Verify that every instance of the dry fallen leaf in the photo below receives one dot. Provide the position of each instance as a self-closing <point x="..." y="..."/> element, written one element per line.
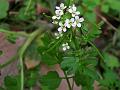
<point x="30" y="64"/>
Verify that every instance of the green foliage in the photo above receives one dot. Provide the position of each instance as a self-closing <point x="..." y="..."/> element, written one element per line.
<point x="2" y="88"/>
<point x="12" y="83"/>
<point x="84" y="80"/>
<point x="33" y="48"/>
<point x="51" y="80"/>
<point x="70" y="64"/>
<point x="27" y="11"/>
<point x="111" y="61"/>
<point x="110" y="4"/>
<point x="4" y="6"/>
<point x="49" y="59"/>
<point x="32" y="76"/>
<point x="1" y="52"/>
<point x="110" y="80"/>
<point x="105" y="8"/>
<point x="11" y="38"/>
<point x="83" y="61"/>
<point x="52" y="4"/>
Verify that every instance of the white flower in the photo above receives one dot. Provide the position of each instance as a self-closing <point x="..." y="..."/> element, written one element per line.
<point x="65" y="46"/>
<point x="69" y="23"/>
<point x="78" y="21"/>
<point x="55" y="22"/>
<point x="62" y="7"/>
<point x="58" y="35"/>
<point x="72" y="10"/>
<point x="59" y="12"/>
<point x="62" y="27"/>
<point x="56" y="17"/>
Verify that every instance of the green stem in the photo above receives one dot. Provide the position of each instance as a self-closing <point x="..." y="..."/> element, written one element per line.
<point x="51" y="48"/>
<point x="75" y="40"/>
<point x="31" y="88"/>
<point x="67" y="79"/>
<point x="73" y="84"/>
<point x="28" y="6"/>
<point x="15" y="33"/>
<point x="102" y="61"/>
<point x="96" y="50"/>
<point x="22" y="51"/>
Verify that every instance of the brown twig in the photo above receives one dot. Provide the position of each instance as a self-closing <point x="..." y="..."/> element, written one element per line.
<point x="105" y="20"/>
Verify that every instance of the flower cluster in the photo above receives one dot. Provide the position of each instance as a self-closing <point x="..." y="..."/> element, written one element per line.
<point x="65" y="23"/>
<point x="58" y="35"/>
<point x="65" y="46"/>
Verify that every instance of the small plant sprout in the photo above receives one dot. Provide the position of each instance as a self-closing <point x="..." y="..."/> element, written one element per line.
<point x="65" y="46"/>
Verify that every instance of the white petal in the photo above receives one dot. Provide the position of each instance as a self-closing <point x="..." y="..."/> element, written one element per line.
<point x="61" y="13"/>
<point x="60" y="29"/>
<point x="67" y="21"/>
<point x="57" y="37"/>
<point x="76" y="17"/>
<point x="69" y="6"/>
<point x="74" y="8"/>
<point x="56" y="34"/>
<point x="81" y="19"/>
<point x="60" y="24"/>
<point x="68" y="47"/>
<point x="68" y="25"/>
<point x="64" y="29"/>
<point x="55" y="22"/>
<point x="58" y="17"/>
<point x="70" y="10"/>
<point x="57" y="7"/>
<point x="79" y="24"/>
<point x="57" y="12"/>
<point x="54" y="17"/>
<point x="64" y="49"/>
<point x="66" y="44"/>
<point x="63" y="45"/>
<point x="77" y="13"/>
<point x="73" y="14"/>
<point x="72" y="19"/>
<point x="74" y="24"/>
<point x="65" y="7"/>
<point x="62" y="5"/>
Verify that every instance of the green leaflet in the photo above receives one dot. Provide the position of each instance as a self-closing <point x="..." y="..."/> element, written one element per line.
<point x="51" y="80"/>
<point x="111" y="61"/>
<point x="4" y="6"/>
<point x="12" y="82"/>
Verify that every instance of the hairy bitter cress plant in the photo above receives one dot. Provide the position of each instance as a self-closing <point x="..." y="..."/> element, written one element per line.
<point x="70" y="46"/>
